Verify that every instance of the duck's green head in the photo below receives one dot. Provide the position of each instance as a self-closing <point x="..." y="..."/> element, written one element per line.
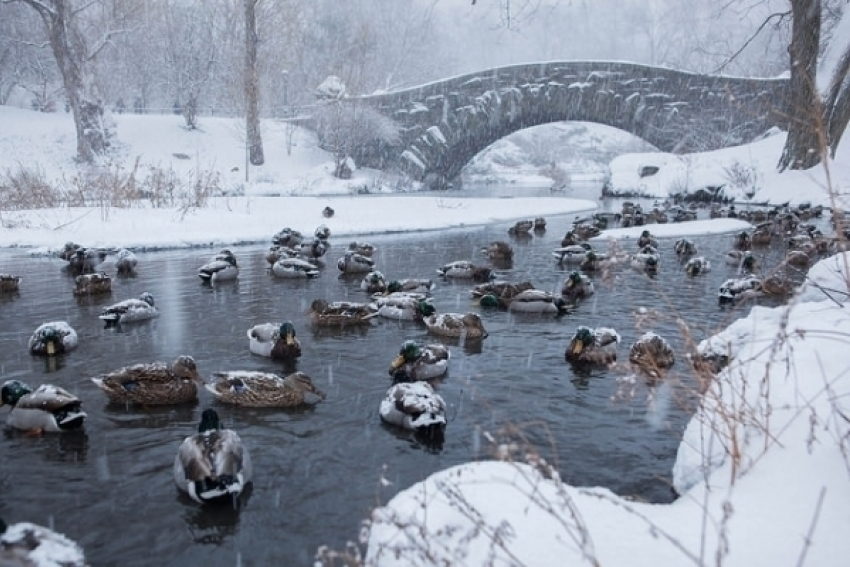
<point x="425" y="308"/>
<point x="147" y="297"/>
<point x="582" y="339"/>
<point x="651" y="262"/>
<point x="394" y="286"/>
<point x="375" y="277"/>
<point x="287" y="332"/>
<point x="409" y="351"/>
<point x="12" y="391"/>
<point x="573" y="279"/>
<point x="749" y="262"/>
<point x="488" y="300"/>
<point x="590" y="256"/>
<point x="209" y="421"/>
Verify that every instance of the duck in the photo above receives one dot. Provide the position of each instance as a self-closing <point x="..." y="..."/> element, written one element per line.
<point x="287" y="237"/>
<point x="25" y="544"/>
<point x="577" y="286"/>
<point x="374" y="282"/>
<point x="411" y="285"/>
<point x="646" y="239"/>
<point x="85" y="260"/>
<point x="652" y="353"/>
<point x="592" y="346"/>
<point x="256" y="389"/>
<point x="646" y="260"/>
<point x="537" y="301"/>
<point x="570" y="239"/>
<point x="572" y="253"/>
<point x="777" y="284"/>
<point x="743" y="241"/>
<point x="521" y="227"/>
<point x="539" y="224"/>
<point x="498" y="250"/>
<point x="362" y="248"/>
<point x="463" y="269"/>
<point x="213" y="464"/>
<point x="743" y="259"/>
<point x="697" y="265"/>
<point x="456" y="325"/>
<point x="275" y="341"/>
<point x="153" y="384"/>
<point x="125" y="262"/>
<point x="586" y="231"/>
<point x="9" y="283"/>
<point x="48" y="408"/>
<point x="294" y="268"/>
<point x="92" y="284"/>
<point x="327" y="212"/>
<point x="417" y="407"/>
<point x="798" y="258"/>
<point x="502" y="291"/>
<point x="685" y="248"/>
<point x="738" y="289"/>
<point x="130" y="310"/>
<point x="421" y="362"/>
<point x="762" y="236"/>
<point x="593" y="261"/>
<point x="221" y="268"/>
<point x="404" y="306"/>
<point x="55" y="337"/>
<point x="354" y="263"/>
<point x="323" y="233"/>
<point x="340" y="313"/>
<point x="313" y="250"/>
<point x="275" y="253"/>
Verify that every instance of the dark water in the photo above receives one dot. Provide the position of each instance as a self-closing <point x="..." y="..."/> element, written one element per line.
<point x="318" y="472"/>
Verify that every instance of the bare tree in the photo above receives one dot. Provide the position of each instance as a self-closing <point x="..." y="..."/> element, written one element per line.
<point x="74" y="58"/>
<point x="252" y="104"/>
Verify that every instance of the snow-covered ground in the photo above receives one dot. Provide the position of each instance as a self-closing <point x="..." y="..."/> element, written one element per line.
<point x="763" y="467"/>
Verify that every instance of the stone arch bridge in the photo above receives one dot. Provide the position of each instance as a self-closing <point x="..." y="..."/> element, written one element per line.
<point x="444" y="124"/>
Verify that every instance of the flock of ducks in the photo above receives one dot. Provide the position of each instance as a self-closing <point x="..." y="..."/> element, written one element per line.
<point x="213" y="464"/>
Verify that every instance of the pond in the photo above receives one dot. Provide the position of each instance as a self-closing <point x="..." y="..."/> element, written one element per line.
<point x="319" y="472"/>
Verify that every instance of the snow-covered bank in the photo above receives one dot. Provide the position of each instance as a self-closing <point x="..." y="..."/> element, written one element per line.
<point x="762" y="468"/>
<point x="242" y="220"/>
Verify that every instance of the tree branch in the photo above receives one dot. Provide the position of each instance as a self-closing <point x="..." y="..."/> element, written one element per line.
<point x="778" y="15"/>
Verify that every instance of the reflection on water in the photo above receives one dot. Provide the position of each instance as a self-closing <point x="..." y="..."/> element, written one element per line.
<point x="318" y="471"/>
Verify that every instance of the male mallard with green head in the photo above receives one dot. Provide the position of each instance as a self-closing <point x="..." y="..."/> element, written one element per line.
<point x="421" y="362"/>
<point x="212" y="465"/>
<point x="48" y="408"/>
<point x="154" y="384"/>
<point x="56" y="337"/>
<point x="276" y="341"/>
<point x="593" y="346"/>
<point x="404" y="306"/>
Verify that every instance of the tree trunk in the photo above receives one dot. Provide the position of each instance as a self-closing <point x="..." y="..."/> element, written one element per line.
<point x="837" y="107"/>
<point x="252" y="105"/>
<point x="72" y="58"/>
<point x="806" y="139"/>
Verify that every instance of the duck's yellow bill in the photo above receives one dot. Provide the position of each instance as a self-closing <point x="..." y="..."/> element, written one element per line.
<point x="290" y="340"/>
<point x="578" y="347"/>
<point x="51" y="348"/>
<point x="397" y="361"/>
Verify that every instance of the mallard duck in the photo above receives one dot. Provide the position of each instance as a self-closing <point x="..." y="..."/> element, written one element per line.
<point x="586" y="231"/>
<point x="56" y="337"/>
<point x="498" y="250"/>
<point x="415" y="406"/>
<point x="463" y="269"/>
<point x="287" y="237"/>
<point x="323" y="233"/>
<point x="275" y="341"/>
<point x="130" y="310"/>
<point x="570" y="239"/>
<point x="572" y="254"/>
<point x="646" y="260"/>
<point x="256" y="389"/>
<point x="502" y="290"/>
<point x="69" y="250"/>
<point x="221" y="268"/>
<point x="9" y="283"/>
<point x="577" y="286"/>
<point x="762" y="236"/>
<point x="652" y="353"/>
<point x="47" y="409"/>
<point x="125" y="262"/>
<point x="646" y="239"/>
<point x="592" y="346"/>
<point x="30" y="545"/>
<point x="294" y="268"/>
<point x="327" y="212"/>
<point x="213" y="464"/>
<point x="362" y="248"/>
<point x="798" y="258"/>
<point x="85" y="260"/>
<point x="743" y="240"/>
<point x="154" y="384"/>
<point x="777" y="284"/>
<point x="374" y="282"/>
<point x="411" y="285"/>
<point x="340" y="313"/>
<point x="737" y="289"/>
<point x="456" y="325"/>
<point x="743" y="259"/>
<point x="521" y="227"/>
<point x="354" y="263"/>
<point x="404" y="306"/>
<point x="92" y="284"/>
<point x="593" y="261"/>
<point x="685" y="248"/>
<point x="536" y="301"/>
<point x="697" y="265"/>
<point x="539" y="224"/>
<point x="313" y="250"/>
<point x="275" y="253"/>
<point x="421" y="362"/>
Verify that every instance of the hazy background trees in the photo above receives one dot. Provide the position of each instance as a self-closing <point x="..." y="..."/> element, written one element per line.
<point x="189" y="56"/>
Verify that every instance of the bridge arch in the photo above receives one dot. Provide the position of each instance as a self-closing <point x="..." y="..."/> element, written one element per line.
<point x="444" y="124"/>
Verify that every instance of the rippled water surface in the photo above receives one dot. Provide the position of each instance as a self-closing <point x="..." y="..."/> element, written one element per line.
<point x="319" y="472"/>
